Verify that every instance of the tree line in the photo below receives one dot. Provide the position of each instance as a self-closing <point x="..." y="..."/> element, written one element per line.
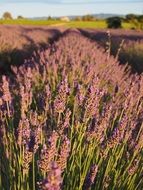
<point x="112" y="22"/>
<point x="135" y="20"/>
<point x="8" y="15"/>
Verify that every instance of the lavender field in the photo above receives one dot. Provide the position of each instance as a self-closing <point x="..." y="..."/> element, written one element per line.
<point x="71" y="111"/>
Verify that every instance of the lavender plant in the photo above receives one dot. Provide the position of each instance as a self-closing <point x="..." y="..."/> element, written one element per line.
<point x="72" y="119"/>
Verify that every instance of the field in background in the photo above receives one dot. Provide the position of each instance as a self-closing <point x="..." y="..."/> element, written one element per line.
<point x="125" y="45"/>
<point x="30" y="22"/>
<point x="18" y="42"/>
<point x="100" y="24"/>
<point x="86" y="24"/>
<point x="93" y="24"/>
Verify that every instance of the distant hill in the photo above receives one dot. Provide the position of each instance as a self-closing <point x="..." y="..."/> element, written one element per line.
<point x="38" y="18"/>
<point x="99" y="16"/>
<point x="104" y="16"/>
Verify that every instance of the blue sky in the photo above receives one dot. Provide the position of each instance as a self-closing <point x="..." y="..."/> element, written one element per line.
<point x="31" y="8"/>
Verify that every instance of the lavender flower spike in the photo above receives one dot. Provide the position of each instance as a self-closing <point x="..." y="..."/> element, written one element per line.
<point x="54" y="180"/>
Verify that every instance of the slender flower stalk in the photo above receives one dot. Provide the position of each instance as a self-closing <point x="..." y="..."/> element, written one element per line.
<point x="64" y="154"/>
<point x="89" y="181"/>
<point x="48" y="153"/>
<point x="53" y="180"/>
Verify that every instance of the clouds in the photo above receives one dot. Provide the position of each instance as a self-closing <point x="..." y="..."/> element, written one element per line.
<point x="31" y="1"/>
<point x="35" y="8"/>
<point x="71" y="1"/>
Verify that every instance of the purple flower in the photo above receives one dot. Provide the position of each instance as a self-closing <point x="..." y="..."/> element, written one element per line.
<point x="60" y="100"/>
<point x="90" y="178"/>
<point x="64" y="153"/>
<point x="48" y="153"/>
<point x="23" y="132"/>
<point x="54" y="179"/>
<point x="6" y="91"/>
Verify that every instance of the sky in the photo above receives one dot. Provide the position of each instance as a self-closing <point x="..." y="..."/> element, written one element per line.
<point x="38" y="8"/>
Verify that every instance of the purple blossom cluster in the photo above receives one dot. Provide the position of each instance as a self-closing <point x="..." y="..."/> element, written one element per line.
<point x="71" y="119"/>
<point x="53" y="180"/>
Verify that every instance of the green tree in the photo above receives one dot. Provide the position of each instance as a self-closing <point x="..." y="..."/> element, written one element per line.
<point x="7" y="15"/>
<point x="77" y="18"/>
<point x="138" y="23"/>
<point x="88" y="18"/>
<point x="130" y="17"/>
<point x="114" y="22"/>
<point x="20" y="17"/>
<point x="49" y="18"/>
<point x="135" y="20"/>
<point x="140" y="18"/>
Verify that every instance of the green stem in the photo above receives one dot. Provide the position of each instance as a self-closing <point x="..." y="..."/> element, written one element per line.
<point x="7" y="105"/>
<point x="33" y="170"/>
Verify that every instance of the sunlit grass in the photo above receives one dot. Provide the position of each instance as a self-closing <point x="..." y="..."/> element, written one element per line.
<point x="30" y="22"/>
<point x="87" y="24"/>
<point x="127" y="25"/>
<point x="101" y="24"/>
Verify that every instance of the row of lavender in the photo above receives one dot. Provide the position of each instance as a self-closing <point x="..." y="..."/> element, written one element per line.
<point x="18" y="43"/>
<point x="71" y="119"/>
<point x="126" y="45"/>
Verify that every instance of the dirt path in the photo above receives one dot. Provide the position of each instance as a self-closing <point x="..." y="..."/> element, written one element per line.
<point x="58" y="24"/>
